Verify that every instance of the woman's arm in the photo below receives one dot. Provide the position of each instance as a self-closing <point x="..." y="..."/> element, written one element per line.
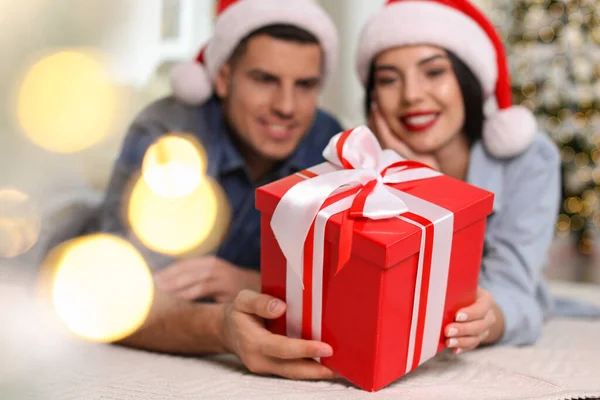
<point x="518" y="242"/>
<point x="510" y="301"/>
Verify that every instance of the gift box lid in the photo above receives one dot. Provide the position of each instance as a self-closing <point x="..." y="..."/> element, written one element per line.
<point x="390" y="241"/>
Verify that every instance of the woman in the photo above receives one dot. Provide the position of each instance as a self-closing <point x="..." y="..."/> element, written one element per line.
<point x="430" y="68"/>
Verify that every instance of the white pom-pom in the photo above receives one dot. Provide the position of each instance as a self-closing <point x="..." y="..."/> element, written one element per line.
<point x="508" y="132"/>
<point x="190" y="83"/>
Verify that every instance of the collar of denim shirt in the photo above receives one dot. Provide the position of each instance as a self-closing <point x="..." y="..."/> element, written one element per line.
<point x="227" y="158"/>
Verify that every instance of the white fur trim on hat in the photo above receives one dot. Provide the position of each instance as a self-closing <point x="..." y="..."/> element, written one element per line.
<point x="424" y="22"/>
<point x="246" y="16"/>
<point x="190" y="83"/>
<point x="508" y="132"/>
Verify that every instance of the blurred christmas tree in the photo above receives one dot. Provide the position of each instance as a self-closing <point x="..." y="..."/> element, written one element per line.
<point x="554" y="52"/>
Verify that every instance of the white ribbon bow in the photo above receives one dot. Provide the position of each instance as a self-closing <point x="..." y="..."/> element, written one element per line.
<point x="297" y="209"/>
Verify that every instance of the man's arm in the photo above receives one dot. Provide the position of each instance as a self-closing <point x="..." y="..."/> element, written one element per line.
<point x="206" y="277"/>
<point x="177" y="326"/>
<point x="128" y="163"/>
<point x="112" y="214"/>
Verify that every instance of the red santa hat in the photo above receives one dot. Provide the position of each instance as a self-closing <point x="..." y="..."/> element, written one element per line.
<point x="457" y="26"/>
<point x="192" y="82"/>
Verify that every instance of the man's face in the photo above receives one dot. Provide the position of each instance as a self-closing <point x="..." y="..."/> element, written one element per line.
<point x="270" y="95"/>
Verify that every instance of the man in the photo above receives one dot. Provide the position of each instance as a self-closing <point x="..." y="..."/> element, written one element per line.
<point x="266" y="64"/>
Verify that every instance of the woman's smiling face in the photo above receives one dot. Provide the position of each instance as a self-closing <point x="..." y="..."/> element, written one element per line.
<point x="419" y="96"/>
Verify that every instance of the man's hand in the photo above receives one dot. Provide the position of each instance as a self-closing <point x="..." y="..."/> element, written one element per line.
<point x="204" y="277"/>
<point x="389" y="140"/>
<point x="263" y="352"/>
<point x="479" y="323"/>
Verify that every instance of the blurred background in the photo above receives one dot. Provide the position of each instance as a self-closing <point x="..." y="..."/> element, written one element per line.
<point x="76" y="72"/>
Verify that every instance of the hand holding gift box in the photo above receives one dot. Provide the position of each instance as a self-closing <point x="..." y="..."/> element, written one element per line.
<point x="373" y="255"/>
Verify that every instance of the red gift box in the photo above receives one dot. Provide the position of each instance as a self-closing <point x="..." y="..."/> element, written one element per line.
<point x="408" y="263"/>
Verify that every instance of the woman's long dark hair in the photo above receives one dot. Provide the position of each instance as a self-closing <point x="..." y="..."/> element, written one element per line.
<point x="471" y="92"/>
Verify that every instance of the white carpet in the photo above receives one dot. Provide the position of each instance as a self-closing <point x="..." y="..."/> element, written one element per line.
<point x="37" y="363"/>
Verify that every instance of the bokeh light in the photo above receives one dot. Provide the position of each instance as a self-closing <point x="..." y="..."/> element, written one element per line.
<point x="529" y="89"/>
<point x="573" y="204"/>
<point x="577" y="223"/>
<point x="584" y="174"/>
<point x="547" y="34"/>
<point x="582" y="160"/>
<point x="568" y="154"/>
<point x="66" y="102"/>
<point x="596" y="175"/>
<point x="174" y="165"/>
<point x="566" y="136"/>
<point x="587" y="242"/>
<point x="177" y="225"/>
<point x="20" y="223"/>
<point x="563" y="221"/>
<point x="553" y="124"/>
<point x="101" y="287"/>
<point x="556" y="10"/>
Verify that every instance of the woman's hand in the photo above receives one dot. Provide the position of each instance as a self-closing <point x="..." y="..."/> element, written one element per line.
<point x="479" y="323"/>
<point x="388" y="140"/>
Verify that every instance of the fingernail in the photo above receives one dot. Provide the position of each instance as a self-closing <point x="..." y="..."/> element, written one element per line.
<point x="452" y="342"/>
<point x="461" y="317"/>
<point x="324" y="352"/>
<point x="452" y="332"/>
<point x="458" y="351"/>
<point x="275" y="306"/>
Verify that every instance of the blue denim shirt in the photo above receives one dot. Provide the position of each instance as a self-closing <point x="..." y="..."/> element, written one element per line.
<point x="519" y="232"/>
<point x="241" y="245"/>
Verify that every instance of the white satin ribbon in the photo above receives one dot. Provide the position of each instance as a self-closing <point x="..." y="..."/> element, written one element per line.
<point x="297" y="209"/>
<point x="301" y="206"/>
<point x="443" y="233"/>
<point x="443" y="221"/>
